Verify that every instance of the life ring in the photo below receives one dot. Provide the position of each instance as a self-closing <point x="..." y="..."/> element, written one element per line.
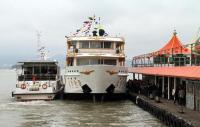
<point x="23" y="86"/>
<point x="44" y="86"/>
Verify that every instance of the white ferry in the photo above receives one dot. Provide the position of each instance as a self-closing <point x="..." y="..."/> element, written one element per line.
<point x="37" y="80"/>
<point x="95" y="63"/>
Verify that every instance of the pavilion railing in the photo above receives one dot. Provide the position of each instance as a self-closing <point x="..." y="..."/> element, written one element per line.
<point x="186" y="55"/>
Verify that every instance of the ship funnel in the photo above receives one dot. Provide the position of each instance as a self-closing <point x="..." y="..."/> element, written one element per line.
<point x="94" y="33"/>
<point x="101" y="32"/>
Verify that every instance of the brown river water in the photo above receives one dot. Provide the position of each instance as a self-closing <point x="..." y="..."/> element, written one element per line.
<point x="64" y="113"/>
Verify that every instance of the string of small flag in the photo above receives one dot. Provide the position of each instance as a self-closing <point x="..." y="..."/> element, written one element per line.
<point x="87" y="26"/>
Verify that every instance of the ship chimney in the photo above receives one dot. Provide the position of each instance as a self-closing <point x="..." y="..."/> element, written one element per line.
<point x="101" y="32"/>
<point x="94" y="33"/>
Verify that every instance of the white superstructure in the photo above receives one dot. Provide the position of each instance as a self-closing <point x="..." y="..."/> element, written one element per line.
<point x="37" y="80"/>
<point x="95" y="64"/>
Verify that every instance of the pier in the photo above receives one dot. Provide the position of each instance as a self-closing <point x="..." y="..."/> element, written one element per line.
<point x="166" y="111"/>
<point x="166" y="83"/>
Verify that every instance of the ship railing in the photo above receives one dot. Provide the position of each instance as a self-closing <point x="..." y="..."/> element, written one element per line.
<point x="37" y="77"/>
<point x="112" y="51"/>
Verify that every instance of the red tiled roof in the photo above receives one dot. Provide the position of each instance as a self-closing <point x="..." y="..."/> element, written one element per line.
<point x="190" y="72"/>
<point x="174" y="44"/>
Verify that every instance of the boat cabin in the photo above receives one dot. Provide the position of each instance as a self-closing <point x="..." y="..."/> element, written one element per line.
<point x="37" y="70"/>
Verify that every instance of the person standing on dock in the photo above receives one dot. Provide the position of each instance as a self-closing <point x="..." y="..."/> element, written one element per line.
<point x="176" y="96"/>
<point x="181" y="94"/>
<point x="173" y="94"/>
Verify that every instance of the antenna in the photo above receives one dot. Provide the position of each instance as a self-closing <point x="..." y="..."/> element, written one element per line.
<point x="41" y="50"/>
<point x="99" y="20"/>
<point x="38" y="39"/>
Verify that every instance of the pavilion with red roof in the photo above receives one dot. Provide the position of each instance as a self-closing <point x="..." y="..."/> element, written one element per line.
<point x="174" y="46"/>
<point x="172" y="74"/>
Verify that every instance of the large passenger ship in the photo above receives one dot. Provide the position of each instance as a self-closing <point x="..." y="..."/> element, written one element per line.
<point x="95" y="63"/>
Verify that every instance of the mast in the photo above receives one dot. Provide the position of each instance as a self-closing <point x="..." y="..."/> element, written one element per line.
<point x="41" y="50"/>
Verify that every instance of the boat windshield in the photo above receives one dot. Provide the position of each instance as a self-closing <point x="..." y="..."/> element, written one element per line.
<point x="38" y="72"/>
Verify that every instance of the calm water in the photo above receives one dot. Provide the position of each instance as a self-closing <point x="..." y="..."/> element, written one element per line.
<point x="67" y="113"/>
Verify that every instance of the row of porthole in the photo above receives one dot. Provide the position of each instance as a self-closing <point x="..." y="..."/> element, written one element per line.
<point x="122" y="71"/>
<point x="71" y="78"/>
<point x="73" y="71"/>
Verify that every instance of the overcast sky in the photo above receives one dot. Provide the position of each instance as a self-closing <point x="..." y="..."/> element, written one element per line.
<point x="146" y="25"/>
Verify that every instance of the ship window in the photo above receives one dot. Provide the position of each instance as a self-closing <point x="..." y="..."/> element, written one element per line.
<point x="109" y="62"/>
<point x="94" y="61"/>
<point x="28" y="70"/>
<point x="52" y="70"/>
<point x="36" y="70"/>
<point x="83" y="62"/>
<point x="95" y="44"/>
<point x="84" y="44"/>
<point x="107" y="44"/>
<point x="74" y="44"/>
<point x="44" y="70"/>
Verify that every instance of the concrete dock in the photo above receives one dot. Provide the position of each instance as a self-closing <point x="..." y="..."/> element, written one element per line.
<point x="168" y="112"/>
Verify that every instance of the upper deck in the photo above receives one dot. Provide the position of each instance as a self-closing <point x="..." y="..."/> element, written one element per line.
<point x="95" y="38"/>
<point x="95" y="46"/>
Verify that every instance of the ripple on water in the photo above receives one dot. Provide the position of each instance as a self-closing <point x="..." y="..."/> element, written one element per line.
<point x="14" y="105"/>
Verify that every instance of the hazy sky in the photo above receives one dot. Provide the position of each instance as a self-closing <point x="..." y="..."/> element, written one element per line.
<point x="145" y="24"/>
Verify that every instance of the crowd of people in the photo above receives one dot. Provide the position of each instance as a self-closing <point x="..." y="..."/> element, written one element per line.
<point x="151" y="90"/>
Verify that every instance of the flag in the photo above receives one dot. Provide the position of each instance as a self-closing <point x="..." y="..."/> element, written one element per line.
<point x="91" y="18"/>
<point x="86" y="22"/>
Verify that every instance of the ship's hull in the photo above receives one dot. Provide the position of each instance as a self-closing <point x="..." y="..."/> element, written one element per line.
<point x="36" y="90"/>
<point x="37" y="96"/>
<point x="95" y="79"/>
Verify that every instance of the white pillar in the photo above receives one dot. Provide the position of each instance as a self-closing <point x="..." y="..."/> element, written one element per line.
<point x="175" y="83"/>
<point x="138" y="76"/>
<point x="118" y="64"/>
<point x="163" y="86"/>
<point x="75" y="61"/>
<point x="168" y="90"/>
<point x="114" y="45"/>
